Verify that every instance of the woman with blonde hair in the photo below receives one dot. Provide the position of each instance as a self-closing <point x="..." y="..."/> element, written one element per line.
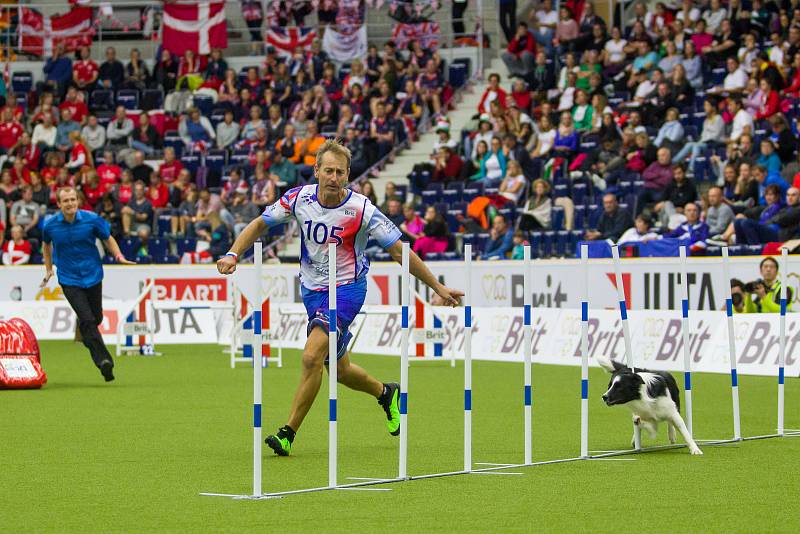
<point x="538" y="209"/>
<point x="79" y="155"/>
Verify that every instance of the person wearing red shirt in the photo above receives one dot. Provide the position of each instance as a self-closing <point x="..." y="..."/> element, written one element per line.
<point x="124" y="190"/>
<point x="520" y="55"/>
<point x="109" y="172"/>
<point x="17" y="110"/>
<point x="75" y="105"/>
<point x="10" y="132"/>
<point x="772" y="101"/>
<point x="92" y="189"/>
<point x="63" y="179"/>
<point x="27" y="151"/>
<point x="448" y="165"/>
<point x="169" y="169"/>
<point x="52" y="166"/>
<point x="84" y="71"/>
<point x="521" y="95"/>
<point x="78" y="154"/>
<point x="157" y="192"/>
<point x="19" y="173"/>
<point x="17" y="250"/>
<point x="493" y="92"/>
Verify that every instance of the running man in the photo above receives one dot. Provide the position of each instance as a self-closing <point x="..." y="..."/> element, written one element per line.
<point x="69" y="242"/>
<point x="331" y="213"/>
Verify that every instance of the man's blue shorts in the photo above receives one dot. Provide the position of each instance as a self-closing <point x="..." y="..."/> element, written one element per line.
<point x="349" y="299"/>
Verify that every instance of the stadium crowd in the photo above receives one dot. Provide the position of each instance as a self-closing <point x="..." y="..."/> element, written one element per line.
<point x="679" y="123"/>
<point x="178" y="158"/>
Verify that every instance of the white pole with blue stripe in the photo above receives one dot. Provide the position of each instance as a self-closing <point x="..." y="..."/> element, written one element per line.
<point x="332" y="366"/>
<point x="468" y="360"/>
<point x="404" y="298"/>
<point x="687" y="357"/>
<point x="726" y="271"/>
<point x="585" y="353"/>
<point x="527" y="347"/>
<point x="626" y="331"/>
<point x="782" y="340"/>
<point x="257" y="373"/>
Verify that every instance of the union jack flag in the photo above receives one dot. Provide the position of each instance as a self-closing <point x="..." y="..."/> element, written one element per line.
<point x="427" y="33"/>
<point x="286" y="40"/>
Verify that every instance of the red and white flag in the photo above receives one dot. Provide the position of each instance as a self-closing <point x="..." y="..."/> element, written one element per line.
<point x="39" y="34"/>
<point x="198" y="27"/>
<point x="286" y="40"/>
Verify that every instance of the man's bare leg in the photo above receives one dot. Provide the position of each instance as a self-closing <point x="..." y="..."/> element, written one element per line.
<point x="356" y="378"/>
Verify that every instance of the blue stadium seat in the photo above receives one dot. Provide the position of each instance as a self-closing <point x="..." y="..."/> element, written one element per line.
<point x="557" y="218"/>
<point x="204" y="103"/>
<point x="560" y="190"/>
<point x="594" y="212"/>
<point x="430" y="197"/>
<point x="562" y="243"/>
<point x="457" y="75"/>
<point x="128" y="98"/>
<point x="578" y="193"/>
<point x="158" y="247"/>
<point x="217" y="116"/>
<point x="152" y="99"/>
<point x="470" y="193"/>
<point x="191" y="162"/>
<point x="186" y="245"/>
<point x="22" y="81"/>
<point x="163" y="225"/>
<point x="101" y="99"/>
<point x="579" y="219"/>
<point x="451" y="255"/>
<point x="169" y="258"/>
<point x="240" y="159"/>
<point x="22" y="100"/>
<point x="547" y="244"/>
<point x="451" y="196"/>
<point x="144" y="260"/>
<point x="128" y="246"/>
<point x="433" y="256"/>
<point x="215" y="160"/>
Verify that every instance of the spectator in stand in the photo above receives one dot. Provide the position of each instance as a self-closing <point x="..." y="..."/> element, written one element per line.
<point x="138" y="212"/>
<point x="783" y="138"/>
<point x="412" y="225"/>
<point x="10" y="132"/>
<point x="112" y="72"/>
<point x="694" y="230"/>
<point x="769" y="158"/>
<point x="289" y="144"/>
<point x="447" y="165"/>
<point x="770" y="102"/>
<point x="538" y="209"/>
<point x="613" y="222"/>
<point x="44" y="133"/>
<point x="719" y="214"/>
<point x="742" y="120"/>
<point x="214" y="232"/>
<point x="713" y="134"/>
<point x="264" y="189"/>
<point x="139" y="169"/>
<point x="513" y="185"/>
<point x="429" y="85"/>
<point x="657" y="176"/>
<point x="216" y="67"/>
<point x="253" y="14"/>
<point x="493" y="165"/>
<point x="282" y="171"/>
<point x="567" y="31"/>
<point x="501" y="240"/>
<point x="166" y="72"/>
<point x="520" y="55"/>
<point x="196" y="131"/>
<point x="109" y="172"/>
<point x="242" y="209"/>
<point x="680" y="191"/>
<point x="359" y="161"/>
<point x="65" y="128"/>
<point x="145" y="137"/>
<point x="381" y="131"/>
<point x="137" y="75"/>
<point x="671" y="133"/>
<point x="41" y="194"/>
<point x="92" y="189"/>
<point x="183" y="223"/>
<point x="123" y="191"/>
<point x="17" y="250"/>
<point x="227" y="131"/>
<point x="434" y="237"/>
<point x="567" y="138"/>
<point x="93" y="133"/>
<point x="492" y="92"/>
<point x="307" y="149"/>
<point x="119" y="129"/>
<point x="157" y="194"/>
<point x="110" y="210"/>
<point x="57" y="71"/>
<point x="75" y="104"/>
<point x="640" y="232"/>
<point x="79" y="156"/>
<point x="25" y="214"/>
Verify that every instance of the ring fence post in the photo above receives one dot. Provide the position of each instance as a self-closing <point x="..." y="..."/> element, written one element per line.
<point x="257" y="374"/>
<point x="782" y="340"/>
<point x="332" y="366"/>
<point x="527" y="347"/>
<point x="404" y="298"/>
<point x="585" y="353"/>
<point x="687" y="358"/>
<point x="626" y="331"/>
<point x="726" y="272"/>
<point x="468" y="361"/>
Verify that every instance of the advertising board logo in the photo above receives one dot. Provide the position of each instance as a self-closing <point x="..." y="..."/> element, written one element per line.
<point x="494" y="287"/>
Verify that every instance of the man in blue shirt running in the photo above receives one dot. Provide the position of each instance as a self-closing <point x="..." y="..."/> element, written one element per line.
<point x="69" y="242"/>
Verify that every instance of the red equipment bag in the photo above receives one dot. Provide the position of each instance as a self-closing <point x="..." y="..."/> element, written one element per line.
<point x="20" y="366"/>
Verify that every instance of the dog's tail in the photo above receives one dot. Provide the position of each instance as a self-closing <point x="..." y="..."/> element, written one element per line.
<point x="608" y="364"/>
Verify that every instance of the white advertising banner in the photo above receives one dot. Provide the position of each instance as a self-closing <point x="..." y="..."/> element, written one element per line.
<point x="650" y="283"/>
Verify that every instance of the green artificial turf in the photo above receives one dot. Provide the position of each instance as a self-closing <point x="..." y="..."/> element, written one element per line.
<point x="133" y="455"/>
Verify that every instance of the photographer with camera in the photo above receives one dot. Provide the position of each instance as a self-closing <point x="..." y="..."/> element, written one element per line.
<point x="763" y="295"/>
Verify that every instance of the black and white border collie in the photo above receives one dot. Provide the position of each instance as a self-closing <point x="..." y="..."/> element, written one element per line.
<point x="652" y="397"/>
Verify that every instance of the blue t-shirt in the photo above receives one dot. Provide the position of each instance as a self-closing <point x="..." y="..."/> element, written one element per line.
<point x="74" y="250"/>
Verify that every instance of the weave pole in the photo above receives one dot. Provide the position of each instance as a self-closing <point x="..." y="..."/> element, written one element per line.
<point x="782" y="339"/>
<point x="404" y="298"/>
<point x="626" y="331"/>
<point x="468" y="361"/>
<point x="332" y="366"/>
<point x="527" y="347"/>
<point x="257" y="373"/>
<point x="687" y="357"/>
<point x="726" y="271"/>
<point x="585" y="352"/>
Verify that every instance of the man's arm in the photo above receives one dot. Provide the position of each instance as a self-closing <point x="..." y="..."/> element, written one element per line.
<point x="227" y="264"/>
<point x="452" y="297"/>
<point x="113" y="248"/>
<point x="47" y="254"/>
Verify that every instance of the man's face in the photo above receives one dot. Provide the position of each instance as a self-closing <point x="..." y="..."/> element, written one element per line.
<point x="332" y="172"/>
<point x="793" y="197"/>
<point x="609" y="203"/>
<point x="110" y="54"/>
<point x="68" y="202"/>
<point x="27" y="195"/>
<point x="691" y="212"/>
<point x="714" y="197"/>
<point x="745" y="143"/>
<point x="769" y="271"/>
<point x="394" y="207"/>
<point x="138" y="190"/>
<point x="663" y="156"/>
<point x="499" y="223"/>
<point x="312" y="128"/>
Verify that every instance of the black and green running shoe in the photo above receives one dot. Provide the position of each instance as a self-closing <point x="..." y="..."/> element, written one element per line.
<point x="390" y="402"/>
<point x="281" y="443"/>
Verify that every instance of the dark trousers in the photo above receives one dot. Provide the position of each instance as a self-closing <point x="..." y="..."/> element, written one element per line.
<point x="88" y="306"/>
<point x="508" y="19"/>
<point x="458" y="18"/>
<point x="750" y="232"/>
<point x="647" y="198"/>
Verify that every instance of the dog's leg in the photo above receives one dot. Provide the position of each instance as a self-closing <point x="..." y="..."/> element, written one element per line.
<point x="677" y="420"/>
<point x="636" y="422"/>
<point x="671" y="431"/>
<point x="652" y="429"/>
